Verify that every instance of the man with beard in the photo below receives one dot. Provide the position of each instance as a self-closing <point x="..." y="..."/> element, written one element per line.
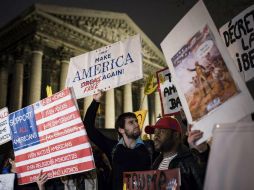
<point x="173" y="154"/>
<point x="127" y="154"/>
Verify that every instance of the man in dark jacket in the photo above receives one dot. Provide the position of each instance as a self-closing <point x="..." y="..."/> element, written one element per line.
<point x="127" y="154"/>
<point x="173" y="154"/>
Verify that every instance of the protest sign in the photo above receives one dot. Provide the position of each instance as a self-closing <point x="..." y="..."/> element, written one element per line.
<point x="152" y="179"/>
<point x="238" y="35"/>
<point x="106" y="68"/>
<point x="141" y="116"/>
<point x="170" y="101"/>
<point x="50" y="136"/>
<point x="5" y="134"/>
<point x="210" y="88"/>
<point x="7" y="181"/>
<point x="231" y="156"/>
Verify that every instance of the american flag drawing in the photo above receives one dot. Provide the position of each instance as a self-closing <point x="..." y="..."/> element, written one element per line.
<point x="50" y="136"/>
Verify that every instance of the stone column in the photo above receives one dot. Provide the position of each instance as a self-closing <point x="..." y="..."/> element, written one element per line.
<point x="16" y="95"/>
<point x="64" y="62"/>
<point x="144" y="105"/>
<point x="3" y="81"/>
<point x="36" y="74"/>
<point x="127" y="98"/>
<point x="110" y="109"/>
<point x="157" y="105"/>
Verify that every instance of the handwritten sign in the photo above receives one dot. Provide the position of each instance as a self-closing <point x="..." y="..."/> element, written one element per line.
<point x="170" y="101"/>
<point x="238" y="36"/>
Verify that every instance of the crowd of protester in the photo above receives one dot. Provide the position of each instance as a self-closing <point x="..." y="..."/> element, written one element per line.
<point x="169" y="148"/>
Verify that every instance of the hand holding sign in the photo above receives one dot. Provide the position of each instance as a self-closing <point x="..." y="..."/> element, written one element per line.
<point x="97" y="97"/>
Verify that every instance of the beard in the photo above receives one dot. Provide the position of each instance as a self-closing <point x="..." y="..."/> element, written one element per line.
<point x="164" y="145"/>
<point x="133" y="134"/>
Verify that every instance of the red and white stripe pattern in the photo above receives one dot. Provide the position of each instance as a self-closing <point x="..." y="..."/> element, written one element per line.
<point x="64" y="148"/>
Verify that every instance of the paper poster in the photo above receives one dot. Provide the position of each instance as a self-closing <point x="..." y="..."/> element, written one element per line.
<point x="210" y="88"/>
<point x="170" y="101"/>
<point x="153" y="180"/>
<point x="106" y="68"/>
<point x="231" y="156"/>
<point x="141" y="116"/>
<point x="5" y="135"/>
<point x="7" y="181"/>
<point x="50" y="136"/>
<point x="238" y="36"/>
<point x="205" y="79"/>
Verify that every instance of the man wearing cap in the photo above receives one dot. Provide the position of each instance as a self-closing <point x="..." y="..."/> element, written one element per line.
<point x="173" y="154"/>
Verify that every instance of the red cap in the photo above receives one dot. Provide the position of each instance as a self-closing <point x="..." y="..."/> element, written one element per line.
<point x="164" y="123"/>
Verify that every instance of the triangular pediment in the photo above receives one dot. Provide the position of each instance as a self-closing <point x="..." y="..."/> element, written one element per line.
<point x="108" y="27"/>
<point x="80" y="30"/>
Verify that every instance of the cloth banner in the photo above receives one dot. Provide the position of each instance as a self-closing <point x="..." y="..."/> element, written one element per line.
<point x="208" y="84"/>
<point x="50" y="136"/>
<point x="7" y="181"/>
<point x="5" y="134"/>
<point x="238" y="36"/>
<point x="106" y="68"/>
<point x="230" y="164"/>
<point x="170" y="101"/>
<point x="152" y="180"/>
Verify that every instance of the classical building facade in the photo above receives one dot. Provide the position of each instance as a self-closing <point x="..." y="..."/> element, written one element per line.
<point x="36" y="48"/>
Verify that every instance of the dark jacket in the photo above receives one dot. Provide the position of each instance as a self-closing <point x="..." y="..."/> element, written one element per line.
<point x="122" y="158"/>
<point x="192" y="172"/>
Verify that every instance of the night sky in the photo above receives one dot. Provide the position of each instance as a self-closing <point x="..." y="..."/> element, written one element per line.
<point x="155" y="17"/>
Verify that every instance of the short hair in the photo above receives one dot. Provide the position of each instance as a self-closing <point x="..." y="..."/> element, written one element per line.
<point x="120" y="122"/>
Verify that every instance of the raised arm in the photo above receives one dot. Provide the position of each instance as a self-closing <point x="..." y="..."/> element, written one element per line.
<point x="104" y="143"/>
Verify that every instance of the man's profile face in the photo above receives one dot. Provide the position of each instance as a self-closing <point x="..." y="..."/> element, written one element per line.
<point x="131" y="128"/>
<point x="163" y="140"/>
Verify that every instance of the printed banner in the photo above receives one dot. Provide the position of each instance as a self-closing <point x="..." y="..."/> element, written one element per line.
<point x="170" y="101"/>
<point x="234" y="141"/>
<point x="238" y="35"/>
<point x="5" y="135"/>
<point x="106" y="68"/>
<point x="50" y="136"/>
<point x="7" y="181"/>
<point x="209" y="86"/>
<point x="153" y="179"/>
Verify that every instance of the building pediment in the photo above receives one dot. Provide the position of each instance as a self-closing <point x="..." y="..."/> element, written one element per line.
<point x="84" y="30"/>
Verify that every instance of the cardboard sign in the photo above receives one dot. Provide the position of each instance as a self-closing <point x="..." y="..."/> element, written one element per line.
<point x="230" y="157"/>
<point x="153" y="180"/>
<point x="170" y="101"/>
<point x="106" y="68"/>
<point x="5" y="135"/>
<point x="7" y="181"/>
<point x="50" y="136"/>
<point x="210" y="88"/>
<point x="238" y="36"/>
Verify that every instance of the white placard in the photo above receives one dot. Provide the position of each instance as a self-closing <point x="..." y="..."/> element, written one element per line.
<point x="5" y="134"/>
<point x="194" y="50"/>
<point x="7" y="181"/>
<point x="238" y="35"/>
<point x="170" y="101"/>
<point x="106" y="68"/>
<point x="231" y="156"/>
